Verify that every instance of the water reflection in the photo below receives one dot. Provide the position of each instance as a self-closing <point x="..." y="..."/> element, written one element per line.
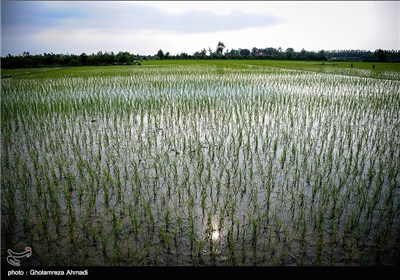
<point x="215" y="235"/>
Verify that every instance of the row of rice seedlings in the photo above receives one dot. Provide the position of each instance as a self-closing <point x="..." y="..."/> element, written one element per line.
<point x="217" y="133"/>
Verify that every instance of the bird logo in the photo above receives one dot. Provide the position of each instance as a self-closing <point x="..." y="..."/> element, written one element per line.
<point x="13" y="257"/>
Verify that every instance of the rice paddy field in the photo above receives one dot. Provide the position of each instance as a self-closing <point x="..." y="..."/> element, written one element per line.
<point x="202" y="163"/>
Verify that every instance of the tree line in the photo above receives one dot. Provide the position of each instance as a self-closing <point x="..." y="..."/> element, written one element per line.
<point x="26" y="60"/>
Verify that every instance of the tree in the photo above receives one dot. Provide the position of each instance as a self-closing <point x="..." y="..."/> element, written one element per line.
<point x="183" y="55"/>
<point x="303" y="54"/>
<point x="160" y="54"/>
<point x="380" y="55"/>
<point x="270" y="52"/>
<point x="321" y="55"/>
<point x="254" y="52"/>
<point x="124" y="58"/>
<point x="233" y="54"/>
<point x="220" y="48"/>
<point x="200" y="54"/>
<point x="210" y="52"/>
<point x="289" y="53"/>
<point x="244" y="53"/>
<point x="83" y="59"/>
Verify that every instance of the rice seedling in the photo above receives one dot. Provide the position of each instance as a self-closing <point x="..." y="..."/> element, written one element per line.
<point x="160" y="160"/>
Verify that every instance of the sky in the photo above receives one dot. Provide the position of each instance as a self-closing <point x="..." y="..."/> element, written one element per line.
<point x="144" y="27"/>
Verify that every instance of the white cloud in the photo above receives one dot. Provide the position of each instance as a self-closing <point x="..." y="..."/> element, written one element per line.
<point x="145" y="27"/>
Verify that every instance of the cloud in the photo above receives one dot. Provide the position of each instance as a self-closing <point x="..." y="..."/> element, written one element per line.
<point x="85" y="26"/>
<point x="205" y="21"/>
<point x="34" y="17"/>
<point x="28" y="17"/>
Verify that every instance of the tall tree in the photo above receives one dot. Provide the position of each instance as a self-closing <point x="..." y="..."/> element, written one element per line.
<point x="220" y="48"/>
<point x="160" y="54"/>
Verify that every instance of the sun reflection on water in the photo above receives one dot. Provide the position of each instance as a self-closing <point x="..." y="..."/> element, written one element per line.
<point x="215" y="235"/>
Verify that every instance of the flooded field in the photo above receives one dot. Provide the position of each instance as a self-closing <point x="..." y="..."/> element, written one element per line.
<point x="201" y="165"/>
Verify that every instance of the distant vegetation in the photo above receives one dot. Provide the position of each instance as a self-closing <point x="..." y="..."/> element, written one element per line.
<point x="26" y="60"/>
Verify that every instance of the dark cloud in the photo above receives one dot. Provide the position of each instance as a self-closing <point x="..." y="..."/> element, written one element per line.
<point x="27" y="17"/>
